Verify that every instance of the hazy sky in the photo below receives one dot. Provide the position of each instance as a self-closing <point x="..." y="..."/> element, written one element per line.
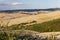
<point x="28" y="4"/>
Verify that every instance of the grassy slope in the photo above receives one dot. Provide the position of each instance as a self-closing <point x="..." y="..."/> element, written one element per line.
<point x="49" y="26"/>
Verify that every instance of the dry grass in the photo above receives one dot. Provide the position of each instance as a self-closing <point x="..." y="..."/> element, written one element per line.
<point x="17" y="18"/>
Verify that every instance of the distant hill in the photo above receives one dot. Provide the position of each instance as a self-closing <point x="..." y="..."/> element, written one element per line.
<point x="30" y="10"/>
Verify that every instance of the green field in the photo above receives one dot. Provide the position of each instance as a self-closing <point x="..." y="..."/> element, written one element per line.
<point x="50" y="26"/>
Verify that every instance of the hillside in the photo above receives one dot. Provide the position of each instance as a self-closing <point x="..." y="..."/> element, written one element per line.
<point x="49" y="26"/>
<point x="43" y="26"/>
<point x="17" y="18"/>
<point x="43" y="31"/>
<point x="39" y="18"/>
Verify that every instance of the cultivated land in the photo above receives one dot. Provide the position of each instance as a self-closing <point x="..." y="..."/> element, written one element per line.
<point x="42" y="26"/>
<point x="17" y="18"/>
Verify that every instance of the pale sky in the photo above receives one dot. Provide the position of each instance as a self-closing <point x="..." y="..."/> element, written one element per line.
<point x="28" y="4"/>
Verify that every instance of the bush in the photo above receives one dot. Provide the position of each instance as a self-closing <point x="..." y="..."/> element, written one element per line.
<point x="4" y="36"/>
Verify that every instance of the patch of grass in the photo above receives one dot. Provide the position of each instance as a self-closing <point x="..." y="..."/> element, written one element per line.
<point x="50" y="26"/>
